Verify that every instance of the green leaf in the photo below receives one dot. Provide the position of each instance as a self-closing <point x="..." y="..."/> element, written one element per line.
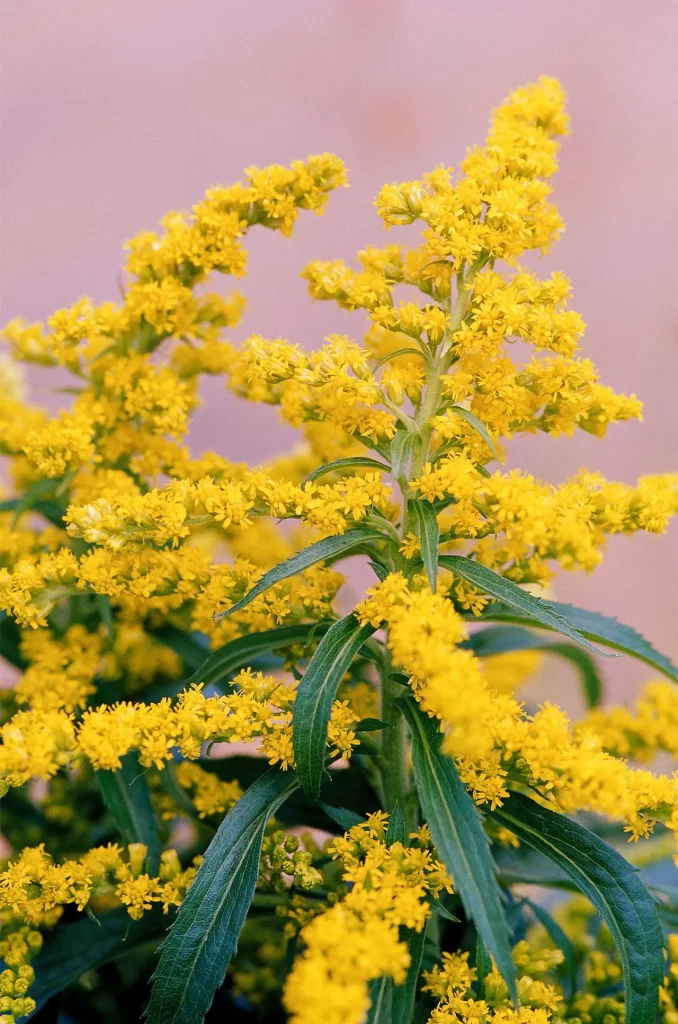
<point x="611" y="884"/>
<point x="201" y="942"/>
<point x="559" y="939"/>
<point x="371" y="725"/>
<point x="126" y="795"/>
<point x="396" y="831"/>
<point x="483" y="965"/>
<point x="401" y="452"/>
<point x="429" y="538"/>
<point x="403" y="996"/>
<point x="355" y="462"/>
<point x="477" y="425"/>
<point x="441" y="909"/>
<point x="532" y="608"/>
<point x="73" y="949"/>
<point x="329" y="547"/>
<point x="401" y="352"/>
<point x="234" y="655"/>
<point x="345" y="819"/>
<point x="381" y="996"/>
<point x="602" y="628"/>
<point x="379" y="570"/>
<point x="460" y="839"/>
<point x="189" y="649"/>
<point x="502" y="639"/>
<point x="31" y="496"/>
<point x="10" y="640"/>
<point x="317" y="690"/>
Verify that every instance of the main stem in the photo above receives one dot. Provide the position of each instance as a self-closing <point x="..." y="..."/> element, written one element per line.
<point x="395" y="771"/>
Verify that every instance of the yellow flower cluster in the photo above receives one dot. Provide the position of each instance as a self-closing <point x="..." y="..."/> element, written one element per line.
<point x="357" y="940"/>
<point x="39" y="742"/>
<point x="34" y="886"/>
<point x="523" y="524"/>
<point x="451" y="983"/>
<point x="493" y="738"/>
<point x="120" y="552"/>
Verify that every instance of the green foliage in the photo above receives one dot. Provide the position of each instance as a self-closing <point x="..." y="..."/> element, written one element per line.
<point x="196" y="953"/>
<point x="315" y="695"/>
<point x="326" y="550"/>
<point x="533" y="609"/>
<point x="127" y="797"/>
<point x="612" y="885"/>
<point x="594" y="626"/>
<point x="458" y="833"/>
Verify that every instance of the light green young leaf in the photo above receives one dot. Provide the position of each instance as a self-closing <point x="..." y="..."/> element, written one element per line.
<point x="204" y="936"/>
<point x="602" y="628"/>
<point x="611" y="884"/>
<point x="429" y="537"/>
<point x="317" y="690"/>
<point x="321" y="551"/>
<point x="460" y="839"/>
<point x="530" y="607"/>
<point x="401" y="452"/>
<point x="355" y="462"/>
<point x="127" y="796"/>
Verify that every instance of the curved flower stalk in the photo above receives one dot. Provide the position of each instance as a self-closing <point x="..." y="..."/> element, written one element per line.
<point x="195" y="695"/>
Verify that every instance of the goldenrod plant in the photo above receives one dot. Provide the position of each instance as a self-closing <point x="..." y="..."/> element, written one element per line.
<point x="368" y="851"/>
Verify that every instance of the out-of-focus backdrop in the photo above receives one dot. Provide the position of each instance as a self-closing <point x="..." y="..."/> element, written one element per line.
<point x="115" y="111"/>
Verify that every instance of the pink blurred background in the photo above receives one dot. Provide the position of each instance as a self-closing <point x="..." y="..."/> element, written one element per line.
<point x="115" y="111"/>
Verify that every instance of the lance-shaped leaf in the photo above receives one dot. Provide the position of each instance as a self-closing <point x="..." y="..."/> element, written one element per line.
<point x="429" y="538"/>
<point x="321" y="551"/>
<point x="604" y="629"/>
<point x="401" y="452"/>
<point x="126" y="795"/>
<point x="229" y="659"/>
<point x="394" y="1004"/>
<point x="559" y="939"/>
<point x="396" y="831"/>
<point x="381" y="1001"/>
<point x="355" y="462"/>
<point x="532" y="608"/>
<point x="611" y="884"/>
<point x="204" y="937"/>
<point x="73" y="949"/>
<point x="477" y="425"/>
<point x="460" y="839"/>
<point x="403" y="996"/>
<point x="317" y="690"/>
<point x="502" y="639"/>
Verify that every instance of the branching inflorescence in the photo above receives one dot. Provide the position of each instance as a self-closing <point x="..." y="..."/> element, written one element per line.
<point x="158" y="614"/>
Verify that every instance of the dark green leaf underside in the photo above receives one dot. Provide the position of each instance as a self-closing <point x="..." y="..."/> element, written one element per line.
<point x="603" y="629"/>
<point x="532" y="608"/>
